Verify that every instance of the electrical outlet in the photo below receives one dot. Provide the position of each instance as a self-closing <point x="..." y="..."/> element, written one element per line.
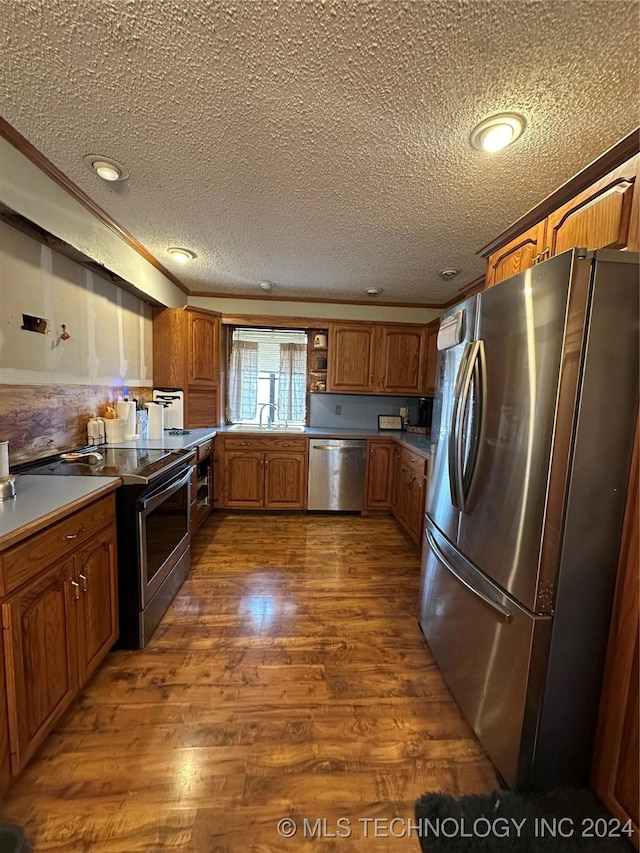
<point x="338" y="410"/>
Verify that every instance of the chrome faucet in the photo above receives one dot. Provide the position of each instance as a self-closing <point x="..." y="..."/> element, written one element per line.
<point x="266" y="406"/>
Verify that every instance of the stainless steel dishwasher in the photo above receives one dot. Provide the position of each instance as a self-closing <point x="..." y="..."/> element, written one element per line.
<point x="336" y="474"/>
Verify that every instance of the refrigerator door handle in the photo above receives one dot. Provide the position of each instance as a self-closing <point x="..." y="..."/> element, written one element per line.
<point x="455" y="480"/>
<point x="477" y="374"/>
<point x="460" y="407"/>
<point x="503" y="612"/>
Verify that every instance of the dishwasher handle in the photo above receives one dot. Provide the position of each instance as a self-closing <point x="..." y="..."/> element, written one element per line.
<point x="335" y="447"/>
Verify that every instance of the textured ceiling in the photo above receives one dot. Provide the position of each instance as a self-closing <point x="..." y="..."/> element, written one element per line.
<point x="319" y="145"/>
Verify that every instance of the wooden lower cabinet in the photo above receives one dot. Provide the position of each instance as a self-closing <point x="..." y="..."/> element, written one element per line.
<point x="57" y="626"/>
<point x="264" y="473"/>
<point x="96" y="602"/>
<point x="410" y="493"/>
<point x="202" y="485"/>
<point x="41" y="647"/>
<point x="244" y="479"/>
<point x="378" y="487"/>
<point x="285" y="480"/>
<point x="616" y="765"/>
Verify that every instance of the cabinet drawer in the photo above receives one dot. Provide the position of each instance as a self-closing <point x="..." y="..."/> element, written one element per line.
<point x="414" y="460"/>
<point x="204" y="449"/>
<point x="37" y="552"/>
<point x="298" y="445"/>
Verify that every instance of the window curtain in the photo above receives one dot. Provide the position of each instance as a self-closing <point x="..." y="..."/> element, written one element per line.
<point x="242" y="393"/>
<point x="292" y="382"/>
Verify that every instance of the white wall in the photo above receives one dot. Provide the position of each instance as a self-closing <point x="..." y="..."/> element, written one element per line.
<point x="29" y="191"/>
<point x="321" y="310"/>
<point x="110" y="330"/>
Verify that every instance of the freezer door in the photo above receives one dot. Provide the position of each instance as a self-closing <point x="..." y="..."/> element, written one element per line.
<point x="442" y="505"/>
<point x="506" y="424"/>
<point x="486" y="647"/>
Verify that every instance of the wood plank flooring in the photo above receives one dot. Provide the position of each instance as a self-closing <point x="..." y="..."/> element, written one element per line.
<point x="288" y="679"/>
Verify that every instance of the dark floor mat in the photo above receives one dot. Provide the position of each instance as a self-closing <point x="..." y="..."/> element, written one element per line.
<point x="565" y="821"/>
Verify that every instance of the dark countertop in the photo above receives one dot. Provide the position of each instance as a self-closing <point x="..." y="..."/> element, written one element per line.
<point x="412" y="440"/>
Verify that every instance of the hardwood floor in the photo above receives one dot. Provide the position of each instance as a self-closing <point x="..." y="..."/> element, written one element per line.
<point x="288" y="679"/>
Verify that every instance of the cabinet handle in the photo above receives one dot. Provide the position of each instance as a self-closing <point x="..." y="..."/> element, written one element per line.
<point x="84" y="582"/>
<point x="76" y="590"/>
<point x="71" y="536"/>
<point x="546" y="252"/>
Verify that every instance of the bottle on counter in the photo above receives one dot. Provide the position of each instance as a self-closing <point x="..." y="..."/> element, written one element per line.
<point x="93" y="431"/>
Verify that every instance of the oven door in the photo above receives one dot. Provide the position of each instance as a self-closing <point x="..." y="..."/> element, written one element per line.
<point x="163" y="528"/>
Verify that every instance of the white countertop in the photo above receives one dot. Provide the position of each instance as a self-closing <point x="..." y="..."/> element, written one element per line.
<point x="40" y="500"/>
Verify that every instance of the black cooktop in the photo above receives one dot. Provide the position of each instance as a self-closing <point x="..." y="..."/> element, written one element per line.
<point x="132" y="464"/>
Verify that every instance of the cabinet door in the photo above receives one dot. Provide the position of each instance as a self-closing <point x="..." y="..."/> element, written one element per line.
<point x="415" y="507"/>
<point x="395" y="478"/>
<point x="40" y="648"/>
<point x="614" y="775"/>
<point x="203" y="350"/>
<point x="284" y="480"/>
<point x="402" y="492"/>
<point x="431" y="380"/>
<point x="603" y="216"/>
<point x="517" y="255"/>
<point x="401" y="359"/>
<point x="351" y="357"/>
<point x="378" y="474"/>
<point x="95" y="566"/>
<point x="201" y="408"/>
<point x="243" y="479"/>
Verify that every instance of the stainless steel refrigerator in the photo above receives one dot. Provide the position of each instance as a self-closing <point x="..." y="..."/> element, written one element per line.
<point x="532" y="428"/>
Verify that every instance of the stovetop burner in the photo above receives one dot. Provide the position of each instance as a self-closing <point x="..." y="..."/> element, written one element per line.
<point x="132" y="464"/>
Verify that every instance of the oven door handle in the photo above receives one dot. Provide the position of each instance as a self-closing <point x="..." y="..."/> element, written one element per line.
<point x="165" y="490"/>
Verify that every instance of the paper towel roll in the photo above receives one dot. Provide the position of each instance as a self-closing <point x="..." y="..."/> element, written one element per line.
<point x="4" y="458"/>
<point x="156" y="420"/>
<point x="114" y="428"/>
<point x="127" y="411"/>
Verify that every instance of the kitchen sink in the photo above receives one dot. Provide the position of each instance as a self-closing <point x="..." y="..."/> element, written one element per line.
<point x="264" y="429"/>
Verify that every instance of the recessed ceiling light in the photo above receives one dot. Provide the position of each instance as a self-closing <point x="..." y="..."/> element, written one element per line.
<point x="181" y="255"/>
<point x="266" y="285"/>
<point x="449" y="272"/>
<point x="497" y="132"/>
<point x="106" y="168"/>
<point x="373" y="291"/>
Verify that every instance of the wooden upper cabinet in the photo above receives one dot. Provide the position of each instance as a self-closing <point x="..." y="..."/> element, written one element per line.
<point x="401" y="356"/>
<point x="599" y="208"/>
<point x="601" y="217"/>
<point x="381" y="358"/>
<point x="204" y="333"/>
<point x="431" y="381"/>
<point x="186" y="355"/>
<point x="517" y="255"/>
<point x="351" y="357"/>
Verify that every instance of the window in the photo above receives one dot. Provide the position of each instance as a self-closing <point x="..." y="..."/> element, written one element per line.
<point x="268" y="376"/>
